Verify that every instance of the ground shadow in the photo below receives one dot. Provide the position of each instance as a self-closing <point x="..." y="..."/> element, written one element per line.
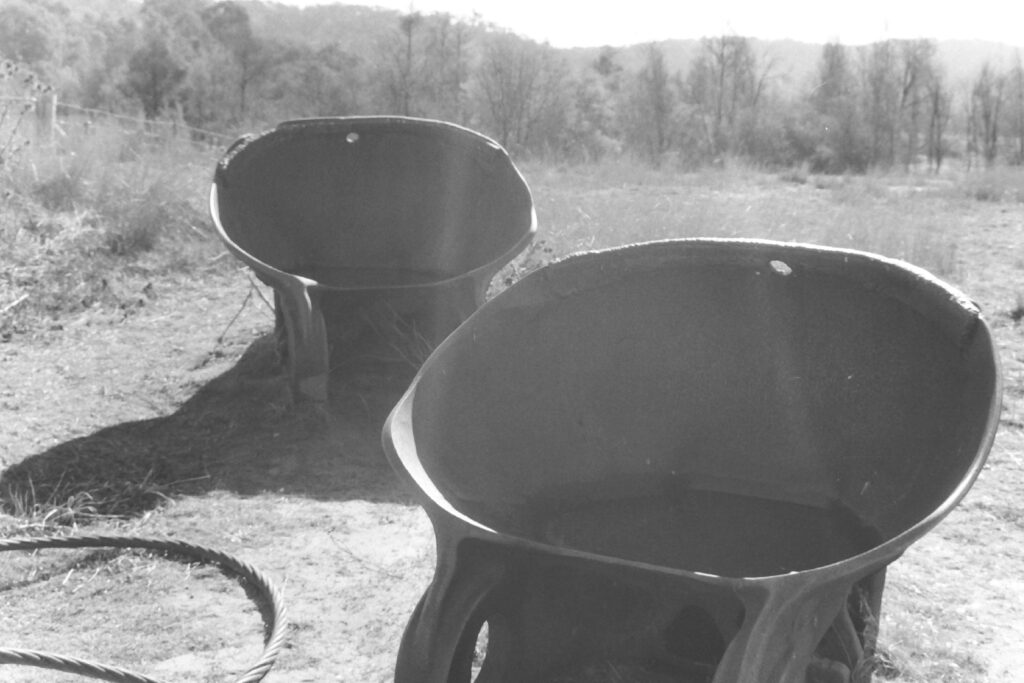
<point x="240" y="432"/>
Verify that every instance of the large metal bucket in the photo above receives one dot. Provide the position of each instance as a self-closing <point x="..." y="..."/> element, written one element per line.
<point x="688" y="461"/>
<point x="346" y="215"/>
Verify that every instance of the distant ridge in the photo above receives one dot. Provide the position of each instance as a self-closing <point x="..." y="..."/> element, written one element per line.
<point x="358" y="29"/>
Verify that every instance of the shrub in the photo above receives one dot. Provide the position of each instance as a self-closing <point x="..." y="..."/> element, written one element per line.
<point x="1000" y="184"/>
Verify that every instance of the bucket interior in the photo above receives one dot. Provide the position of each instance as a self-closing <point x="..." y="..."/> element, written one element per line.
<point x="732" y="408"/>
<point x="372" y="202"/>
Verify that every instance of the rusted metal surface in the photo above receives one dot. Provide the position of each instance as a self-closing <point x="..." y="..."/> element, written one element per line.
<point x="689" y="461"/>
<point x="342" y="215"/>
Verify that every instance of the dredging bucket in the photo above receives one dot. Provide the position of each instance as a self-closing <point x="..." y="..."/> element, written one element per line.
<point x="688" y="460"/>
<point x="368" y="223"/>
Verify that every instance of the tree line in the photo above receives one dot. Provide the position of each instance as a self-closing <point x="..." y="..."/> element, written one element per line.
<point x="884" y="105"/>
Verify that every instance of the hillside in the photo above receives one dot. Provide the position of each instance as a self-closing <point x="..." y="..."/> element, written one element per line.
<point x="233" y="65"/>
<point x="357" y="28"/>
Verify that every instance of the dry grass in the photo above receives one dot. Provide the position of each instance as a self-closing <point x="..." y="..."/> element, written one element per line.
<point x="584" y="208"/>
<point x="1000" y="184"/>
<point x="84" y="218"/>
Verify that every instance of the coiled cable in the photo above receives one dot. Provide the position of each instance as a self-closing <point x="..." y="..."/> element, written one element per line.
<point x="275" y="616"/>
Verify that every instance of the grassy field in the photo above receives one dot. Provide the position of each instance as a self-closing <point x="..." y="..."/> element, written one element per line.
<point x="140" y="394"/>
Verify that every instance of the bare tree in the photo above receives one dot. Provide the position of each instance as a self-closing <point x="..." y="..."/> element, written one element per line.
<point x="835" y="78"/>
<point x="1015" y="102"/>
<point x="423" y="67"/>
<point x="835" y="99"/>
<point x="154" y="76"/>
<point x="917" y="69"/>
<point x="881" y="100"/>
<point x="521" y="88"/>
<point x="939" y="109"/>
<point x="446" y="69"/>
<point x="406" y="81"/>
<point x="399" y="70"/>
<point x="229" y="23"/>
<point x="649" y="108"/>
<point x="725" y="87"/>
<point x="595" y="125"/>
<point x="985" y="107"/>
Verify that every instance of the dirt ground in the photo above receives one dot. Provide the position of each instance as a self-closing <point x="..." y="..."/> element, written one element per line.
<point x="304" y="493"/>
<point x="183" y="395"/>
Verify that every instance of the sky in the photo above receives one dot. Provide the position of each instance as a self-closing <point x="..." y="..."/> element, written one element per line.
<point x="587" y="23"/>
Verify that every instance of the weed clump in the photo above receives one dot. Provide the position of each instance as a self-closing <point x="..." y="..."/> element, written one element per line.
<point x="90" y="220"/>
<point x="1017" y="312"/>
<point x="19" y="88"/>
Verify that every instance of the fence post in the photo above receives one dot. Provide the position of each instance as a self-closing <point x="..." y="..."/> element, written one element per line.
<point x="46" y="116"/>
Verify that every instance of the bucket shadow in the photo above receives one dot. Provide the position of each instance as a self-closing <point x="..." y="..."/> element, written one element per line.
<point x="240" y="432"/>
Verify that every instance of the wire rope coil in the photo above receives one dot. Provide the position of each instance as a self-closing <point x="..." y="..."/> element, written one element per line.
<point x="276" y="621"/>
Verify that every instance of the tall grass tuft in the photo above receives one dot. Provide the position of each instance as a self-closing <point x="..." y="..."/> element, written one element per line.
<point x="1017" y="312"/>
